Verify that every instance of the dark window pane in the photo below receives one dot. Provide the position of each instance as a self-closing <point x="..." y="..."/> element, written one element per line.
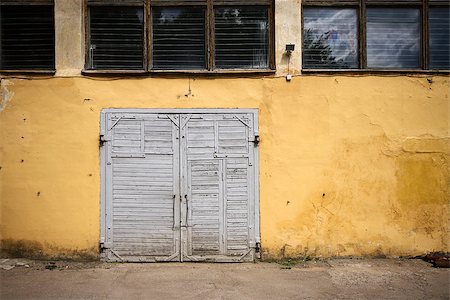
<point x="242" y="37"/>
<point x="439" y="33"/>
<point x="27" y="37"/>
<point x="179" y="38"/>
<point x="117" y="37"/>
<point x="393" y="38"/>
<point x="330" y="38"/>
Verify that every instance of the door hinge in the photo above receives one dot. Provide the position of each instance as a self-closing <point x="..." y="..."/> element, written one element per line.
<point x="104" y="245"/>
<point x="258" y="251"/>
<point x="104" y="139"/>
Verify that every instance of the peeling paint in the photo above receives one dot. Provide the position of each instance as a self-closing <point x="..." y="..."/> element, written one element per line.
<point x="426" y="144"/>
<point x="5" y="94"/>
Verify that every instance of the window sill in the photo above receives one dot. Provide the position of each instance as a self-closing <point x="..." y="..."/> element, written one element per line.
<point x="28" y="72"/>
<point x="218" y="71"/>
<point x="179" y="72"/>
<point x="113" y="72"/>
<point x="373" y="71"/>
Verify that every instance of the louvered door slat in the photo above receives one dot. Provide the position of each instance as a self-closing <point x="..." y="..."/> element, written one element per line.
<point x="204" y="207"/>
<point x="237" y="209"/>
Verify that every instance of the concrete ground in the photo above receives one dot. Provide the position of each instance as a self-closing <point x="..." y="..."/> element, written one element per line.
<point x="331" y="279"/>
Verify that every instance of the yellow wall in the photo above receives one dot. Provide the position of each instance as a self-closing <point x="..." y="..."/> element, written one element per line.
<point x="348" y="165"/>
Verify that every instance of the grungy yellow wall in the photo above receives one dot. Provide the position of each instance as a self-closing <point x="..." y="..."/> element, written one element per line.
<point x="348" y="165"/>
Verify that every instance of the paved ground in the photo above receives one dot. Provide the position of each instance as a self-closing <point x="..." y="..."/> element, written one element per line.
<point x="332" y="279"/>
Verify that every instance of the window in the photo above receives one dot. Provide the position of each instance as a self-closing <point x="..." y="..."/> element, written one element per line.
<point x="376" y="34"/>
<point x="241" y="37"/>
<point x="179" y="38"/>
<point x="116" y="37"/>
<point x="189" y="35"/>
<point x="393" y="38"/>
<point x="330" y="38"/>
<point x="439" y="37"/>
<point x="27" y="35"/>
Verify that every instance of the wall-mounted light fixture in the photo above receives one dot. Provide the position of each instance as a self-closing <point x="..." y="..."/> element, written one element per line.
<point x="289" y="49"/>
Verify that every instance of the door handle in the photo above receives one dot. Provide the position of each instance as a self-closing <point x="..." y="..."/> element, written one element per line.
<point x="173" y="212"/>
<point x="187" y="209"/>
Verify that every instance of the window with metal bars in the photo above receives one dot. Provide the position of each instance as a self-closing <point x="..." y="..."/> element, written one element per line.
<point x="376" y="34"/>
<point x="189" y="35"/>
<point x="27" y="36"/>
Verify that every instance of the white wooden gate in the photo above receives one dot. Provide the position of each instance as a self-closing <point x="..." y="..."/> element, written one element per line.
<point x="179" y="185"/>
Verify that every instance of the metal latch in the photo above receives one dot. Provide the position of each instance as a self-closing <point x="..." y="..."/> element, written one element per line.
<point x="255" y="140"/>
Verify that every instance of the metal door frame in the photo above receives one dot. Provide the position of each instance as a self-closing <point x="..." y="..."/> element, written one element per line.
<point x="104" y="181"/>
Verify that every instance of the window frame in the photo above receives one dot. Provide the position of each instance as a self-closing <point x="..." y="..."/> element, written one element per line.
<point x="87" y="67"/>
<point x="50" y="71"/>
<point x="209" y="34"/>
<point x="270" y="62"/>
<point x="361" y="7"/>
<point x="150" y="35"/>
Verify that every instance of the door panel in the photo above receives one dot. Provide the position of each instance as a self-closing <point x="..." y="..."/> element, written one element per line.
<point x="215" y="155"/>
<point x="179" y="186"/>
<point x="143" y="219"/>
<point x="236" y="189"/>
<point x="203" y="207"/>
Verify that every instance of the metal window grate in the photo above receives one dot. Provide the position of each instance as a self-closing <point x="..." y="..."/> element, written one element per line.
<point x="116" y="38"/>
<point x="241" y="37"/>
<point x="27" y="37"/>
<point x="178" y="38"/>
<point x="439" y="37"/>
